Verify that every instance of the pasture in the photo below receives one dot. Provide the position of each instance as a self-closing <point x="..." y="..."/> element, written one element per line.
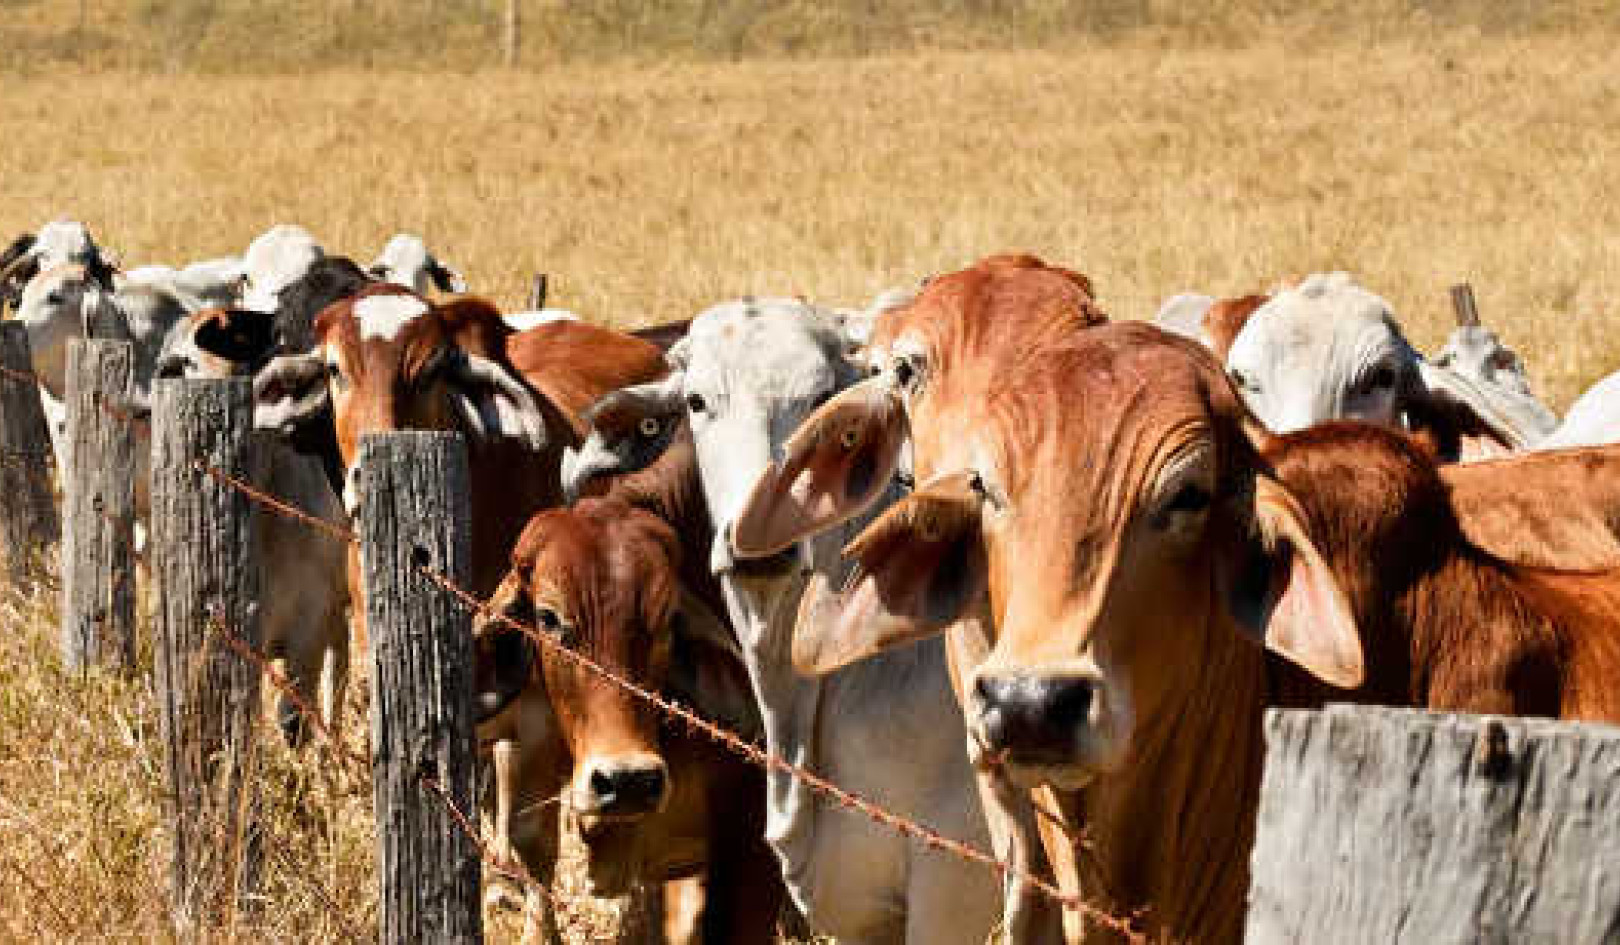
<point x="651" y="191"/>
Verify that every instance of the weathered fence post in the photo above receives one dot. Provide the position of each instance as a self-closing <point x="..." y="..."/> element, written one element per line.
<point x="1462" y="302"/>
<point x="205" y="557"/>
<point x="513" y="31"/>
<point x="538" y="292"/>
<point x="1394" y="825"/>
<point x="98" y="488"/>
<point x="29" y="526"/>
<point x="415" y="515"/>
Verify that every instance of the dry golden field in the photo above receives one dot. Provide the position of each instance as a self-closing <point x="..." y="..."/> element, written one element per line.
<point x="651" y="191"/>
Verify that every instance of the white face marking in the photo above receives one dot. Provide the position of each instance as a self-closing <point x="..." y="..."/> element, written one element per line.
<point x="382" y="316"/>
<point x="523" y="321"/>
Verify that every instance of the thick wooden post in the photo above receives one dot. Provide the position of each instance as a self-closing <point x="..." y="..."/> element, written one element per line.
<point x="414" y="515"/>
<point x="205" y="557"/>
<point x="98" y="485"/>
<point x="538" y="292"/>
<point x="29" y="527"/>
<point x="1394" y="825"/>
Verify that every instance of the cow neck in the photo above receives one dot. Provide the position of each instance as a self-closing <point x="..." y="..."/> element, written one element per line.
<point x="788" y="708"/>
<point x="1170" y="834"/>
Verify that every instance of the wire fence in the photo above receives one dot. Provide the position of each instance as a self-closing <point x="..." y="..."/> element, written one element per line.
<point x="675" y="713"/>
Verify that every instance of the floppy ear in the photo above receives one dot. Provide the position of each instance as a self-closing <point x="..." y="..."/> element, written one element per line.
<point x="237" y="336"/>
<point x="1282" y="593"/>
<point x="289" y="392"/>
<point x="447" y="279"/>
<point x="833" y="468"/>
<point x="707" y="669"/>
<point x="918" y="568"/>
<point x="493" y="404"/>
<point x="503" y="656"/>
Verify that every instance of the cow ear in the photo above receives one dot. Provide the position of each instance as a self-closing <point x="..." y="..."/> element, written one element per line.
<point x="918" y="569"/>
<point x="447" y="279"/>
<point x="493" y="404"/>
<point x="238" y="336"/>
<point x="834" y="467"/>
<point x="503" y="655"/>
<point x="289" y="392"/>
<point x="707" y="669"/>
<point x="1282" y="593"/>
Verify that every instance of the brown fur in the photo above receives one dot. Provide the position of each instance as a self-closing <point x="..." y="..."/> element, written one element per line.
<point x="1226" y="318"/>
<point x="609" y="571"/>
<point x="1554" y="508"/>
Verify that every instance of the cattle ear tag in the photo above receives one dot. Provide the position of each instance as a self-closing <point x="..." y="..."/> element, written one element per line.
<point x="1305" y="616"/>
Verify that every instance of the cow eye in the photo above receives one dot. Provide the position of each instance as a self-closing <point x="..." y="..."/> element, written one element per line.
<point x="1191" y="497"/>
<point x="54" y="298"/>
<point x="904" y="372"/>
<point x="549" y="620"/>
<point x="1243" y="380"/>
<point x="1382" y="378"/>
<point x="695" y="403"/>
<point x="649" y="426"/>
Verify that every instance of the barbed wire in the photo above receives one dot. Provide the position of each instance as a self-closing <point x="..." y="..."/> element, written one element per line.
<point x="728" y="739"/>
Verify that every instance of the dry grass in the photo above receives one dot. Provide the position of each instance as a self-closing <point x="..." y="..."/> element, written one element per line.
<point x="650" y="192"/>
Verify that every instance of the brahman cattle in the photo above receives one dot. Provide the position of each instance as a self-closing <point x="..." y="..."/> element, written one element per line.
<point x="652" y="802"/>
<point x="274" y="260"/>
<point x="405" y="261"/>
<point x="1326" y="348"/>
<point x="743" y="378"/>
<point x="1593" y="420"/>
<point x="58" y="243"/>
<point x="1120" y="462"/>
<point x="305" y="588"/>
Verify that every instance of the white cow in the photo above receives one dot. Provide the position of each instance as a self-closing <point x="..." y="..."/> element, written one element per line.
<point x="745" y="375"/>
<point x="1593" y="420"/>
<point x="406" y="261"/>
<point x="274" y="260"/>
<point x="1328" y="348"/>
<point x="212" y="283"/>
<point x="58" y="243"/>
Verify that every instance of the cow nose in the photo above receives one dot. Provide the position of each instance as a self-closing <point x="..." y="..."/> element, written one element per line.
<point x="1036" y="718"/>
<point x="631" y="788"/>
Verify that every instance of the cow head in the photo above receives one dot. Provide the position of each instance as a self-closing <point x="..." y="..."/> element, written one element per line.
<point x="600" y="579"/>
<point x="61" y="303"/>
<point x="274" y="260"/>
<point x="58" y="243"/>
<point x="388" y="360"/>
<point x="406" y="261"/>
<point x="218" y="342"/>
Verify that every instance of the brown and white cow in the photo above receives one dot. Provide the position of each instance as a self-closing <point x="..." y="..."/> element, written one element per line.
<point x="1134" y="532"/>
<point x="386" y="359"/>
<point x="653" y="803"/>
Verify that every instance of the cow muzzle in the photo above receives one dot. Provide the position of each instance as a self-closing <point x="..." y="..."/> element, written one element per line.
<point x="621" y="787"/>
<point x="1042" y="728"/>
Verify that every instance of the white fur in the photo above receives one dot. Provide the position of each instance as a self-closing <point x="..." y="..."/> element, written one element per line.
<point x="382" y="316"/>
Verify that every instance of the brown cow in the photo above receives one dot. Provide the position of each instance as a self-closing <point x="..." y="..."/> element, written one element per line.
<point x="1553" y="508"/>
<point x="602" y="577"/>
<point x="386" y="359"/>
<point x="1120" y="463"/>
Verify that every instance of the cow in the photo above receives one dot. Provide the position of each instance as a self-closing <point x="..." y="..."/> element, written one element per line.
<point x="743" y="377"/>
<point x="1592" y="420"/>
<point x="1325" y="348"/>
<point x="387" y="359"/>
<point x="211" y="283"/>
<point x="601" y="579"/>
<point x="58" y="243"/>
<point x="405" y="261"/>
<point x="274" y="260"/>
<point x="1120" y="462"/>
<point x="305" y="589"/>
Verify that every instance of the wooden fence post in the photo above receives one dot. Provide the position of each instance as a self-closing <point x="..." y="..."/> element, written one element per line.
<point x="513" y="32"/>
<point x="98" y="487"/>
<point x="538" y="292"/>
<point x="414" y="514"/>
<point x="1462" y="302"/>
<point x="29" y="526"/>
<point x="1395" y="825"/>
<point x="205" y="556"/>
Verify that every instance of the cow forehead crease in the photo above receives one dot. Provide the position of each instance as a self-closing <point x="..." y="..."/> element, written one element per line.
<point x="382" y="316"/>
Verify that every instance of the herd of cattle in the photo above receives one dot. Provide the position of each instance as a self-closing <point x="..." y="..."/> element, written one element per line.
<point x="1006" y="568"/>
